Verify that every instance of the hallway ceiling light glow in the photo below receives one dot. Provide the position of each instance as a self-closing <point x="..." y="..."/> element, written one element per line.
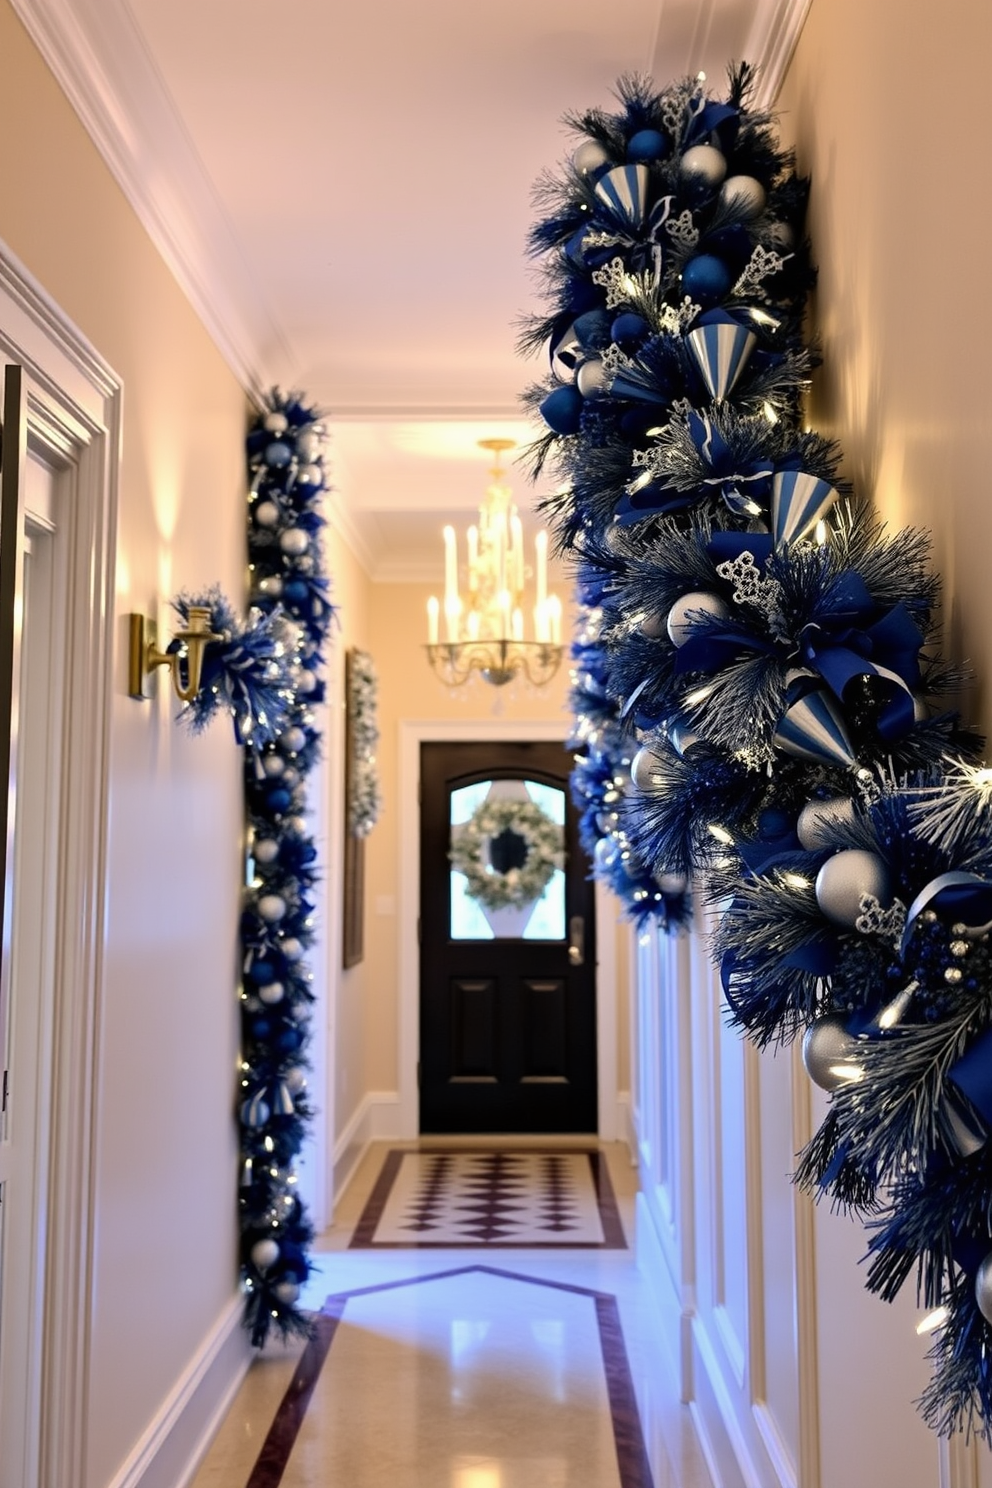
<point x="485" y="632"/>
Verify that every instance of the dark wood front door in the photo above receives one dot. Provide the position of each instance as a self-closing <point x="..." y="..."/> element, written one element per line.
<point x="507" y="997"/>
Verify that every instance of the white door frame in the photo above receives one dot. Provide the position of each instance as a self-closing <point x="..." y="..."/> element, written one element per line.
<point x="413" y="733"/>
<point x="74" y="417"/>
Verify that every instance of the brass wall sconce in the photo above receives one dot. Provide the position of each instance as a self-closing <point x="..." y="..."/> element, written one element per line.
<point x="185" y="663"/>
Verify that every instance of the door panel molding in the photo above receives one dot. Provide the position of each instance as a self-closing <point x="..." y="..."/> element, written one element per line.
<point x="74" y="417"/>
<point x="413" y="733"/>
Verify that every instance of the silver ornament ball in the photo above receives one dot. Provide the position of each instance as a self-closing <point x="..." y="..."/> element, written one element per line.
<point x="643" y="768"/>
<point x="308" y="443"/>
<point x="705" y="164"/>
<point x="983" y="1288"/>
<point x="589" y="156"/>
<point x="291" y="948"/>
<point x="271" y="587"/>
<point x="273" y="765"/>
<point x="591" y="378"/>
<point x="294" y="541"/>
<point x="264" y="1253"/>
<point x="296" y="1080"/>
<point x="286" y="1291"/>
<point x="272" y="993"/>
<point x="275" y="423"/>
<point x="818" y="819"/>
<point x="265" y="850"/>
<point x="683" y="617"/>
<point x="267" y="514"/>
<point x="683" y="738"/>
<point x="653" y="626"/>
<point x="293" y="740"/>
<point x="605" y="853"/>
<point x="271" y="908"/>
<point x="745" y="194"/>
<point x="828" y="1050"/>
<point x="845" y="878"/>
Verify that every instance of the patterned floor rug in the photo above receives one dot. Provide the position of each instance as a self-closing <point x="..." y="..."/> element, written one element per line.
<point x="465" y="1198"/>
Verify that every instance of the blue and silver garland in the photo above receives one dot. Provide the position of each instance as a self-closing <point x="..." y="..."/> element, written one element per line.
<point x="757" y="691"/>
<point x="246" y="671"/>
<point x="364" y="791"/>
<point x="290" y="588"/>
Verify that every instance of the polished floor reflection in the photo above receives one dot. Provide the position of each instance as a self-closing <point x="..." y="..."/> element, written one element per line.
<point x="459" y="1369"/>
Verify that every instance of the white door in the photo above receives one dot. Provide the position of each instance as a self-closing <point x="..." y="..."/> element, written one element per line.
<point x="26" y="1125"/>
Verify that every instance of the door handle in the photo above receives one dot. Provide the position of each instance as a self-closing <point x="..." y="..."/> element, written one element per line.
<point x="576" y="941"/>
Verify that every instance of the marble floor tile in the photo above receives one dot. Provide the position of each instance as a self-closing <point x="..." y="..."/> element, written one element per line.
<point x="464" y="1198"/>
<point x="467" y="1368"/>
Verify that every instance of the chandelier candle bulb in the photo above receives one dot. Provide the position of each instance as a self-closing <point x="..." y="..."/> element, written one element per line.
<point x="554" y="613"/>
<point x="433" y="616"/>
<point x="472" y="543"/>
<point x="450" y="570"/>
<point x="541" y="569"/>
<point x="517" y="548"/>
<point x="518" y="624"/>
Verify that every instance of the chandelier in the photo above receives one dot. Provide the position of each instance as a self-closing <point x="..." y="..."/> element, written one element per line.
<point x="484" y="628"/>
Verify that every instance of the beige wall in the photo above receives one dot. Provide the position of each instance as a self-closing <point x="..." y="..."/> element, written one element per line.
<point x="887" y="103"/>
<point x="166" y="1159"/>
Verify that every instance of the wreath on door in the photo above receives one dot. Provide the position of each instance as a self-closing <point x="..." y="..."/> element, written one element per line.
<point x="508" y="851"/>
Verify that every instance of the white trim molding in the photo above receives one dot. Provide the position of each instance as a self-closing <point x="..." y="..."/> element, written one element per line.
<point x="375" y="1119"/>
<point x="412" y="733"/>
<point x="74" y="410"/>
<point x="103" y="66"/>
<point x="173" y="1446"/>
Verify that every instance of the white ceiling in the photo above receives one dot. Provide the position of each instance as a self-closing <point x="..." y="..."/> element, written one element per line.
<point x="343" y="191"/>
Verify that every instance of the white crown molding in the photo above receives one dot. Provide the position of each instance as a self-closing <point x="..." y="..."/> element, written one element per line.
<point x="100" y="62"/>
<point x="771" y="42"/>
<point x="341" y="521"/>
<point x="413" y="413"/>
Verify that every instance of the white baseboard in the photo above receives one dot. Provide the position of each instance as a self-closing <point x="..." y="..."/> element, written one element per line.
<point x="376" y="1118"/>
<point x="169" y="1452"/>
<point x="676" y="1319"/>
<point x="625" y="1125"/>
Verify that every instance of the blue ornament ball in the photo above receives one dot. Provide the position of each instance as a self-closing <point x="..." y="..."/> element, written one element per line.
<point x="295" y="591"/>
<point x="262" y="972"/>
<point x="278" y="799"/>
<point x="289" y="1040"/>
<point x="706" y="278"/>
<point x="647" y="145"/>
<point x="774" y="821"/>
<point x="277" y="454"/>
<point x="845" y="878"/>
<point x="562" y="410"/>
<point x="629" y="329"/>
<point x="592" y="327"/>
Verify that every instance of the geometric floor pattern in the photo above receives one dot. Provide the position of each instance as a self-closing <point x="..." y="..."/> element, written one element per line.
<point x="524" y="1199"/>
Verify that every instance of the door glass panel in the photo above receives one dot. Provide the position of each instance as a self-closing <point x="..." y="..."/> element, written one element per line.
<point x="507" y="846"/>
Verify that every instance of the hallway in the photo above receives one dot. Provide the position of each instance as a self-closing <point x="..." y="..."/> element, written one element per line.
<point x="495" y="1363"/>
